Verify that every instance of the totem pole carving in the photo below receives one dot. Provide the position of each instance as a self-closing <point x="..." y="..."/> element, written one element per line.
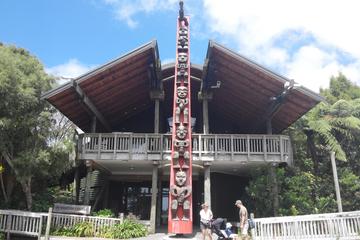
<point x="181" y="104"/>
<point x="180" y="197"/>
<point x="180" y="192"/>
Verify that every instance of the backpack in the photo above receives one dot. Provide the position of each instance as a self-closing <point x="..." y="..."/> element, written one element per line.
<point x="251" y="223"/>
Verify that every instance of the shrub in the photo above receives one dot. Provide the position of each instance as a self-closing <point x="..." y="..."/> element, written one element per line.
<point x="104" y="213"/>
<point x="2" y="236"/>
<point x="82" y="229"/>
<point x="125" y="230"/>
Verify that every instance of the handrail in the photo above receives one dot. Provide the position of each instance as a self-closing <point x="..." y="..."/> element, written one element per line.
<point x="21" y="222"/>
<point x="203" y="145"/>
<point x="345" y="225"/>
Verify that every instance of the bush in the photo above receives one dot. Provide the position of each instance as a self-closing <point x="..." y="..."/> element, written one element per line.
<point x="82" y="229"/>
<point x="104" y="213"/>
<point x="125" y="230"/>
<point x="2" y="236"/>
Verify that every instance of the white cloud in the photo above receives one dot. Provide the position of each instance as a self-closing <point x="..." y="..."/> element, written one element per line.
<point x="71" y="69"/>
<point x="305" y="40"/>
<point x="125" y="10"/>
<point x="260" y="27"/>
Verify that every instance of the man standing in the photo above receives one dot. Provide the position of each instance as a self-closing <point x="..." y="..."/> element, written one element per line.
<point x="243" y="214"/>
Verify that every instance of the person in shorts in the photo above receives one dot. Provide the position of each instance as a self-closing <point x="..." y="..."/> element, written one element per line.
<point x="205" y="217"/>
<point x="243" y="215"/>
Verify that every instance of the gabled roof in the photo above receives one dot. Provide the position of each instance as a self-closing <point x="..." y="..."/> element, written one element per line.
<point x="114" y="90"/>
<point x="244" y="91"/>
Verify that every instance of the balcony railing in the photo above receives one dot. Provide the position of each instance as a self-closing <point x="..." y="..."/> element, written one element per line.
<point x="206" y="147"/>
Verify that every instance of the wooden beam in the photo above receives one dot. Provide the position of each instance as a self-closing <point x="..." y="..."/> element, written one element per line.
<point x="88" y="103"/>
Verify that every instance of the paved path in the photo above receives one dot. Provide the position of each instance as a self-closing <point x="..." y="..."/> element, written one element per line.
<point x="157" y="236"/>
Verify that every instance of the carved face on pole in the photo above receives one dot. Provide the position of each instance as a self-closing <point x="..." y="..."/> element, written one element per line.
<point x="182" y="92"/>
<point x="181" y="131"/>
<point x="180" y="178"/>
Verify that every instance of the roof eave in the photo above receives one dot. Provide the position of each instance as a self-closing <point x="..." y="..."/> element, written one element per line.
<point x="104" y="67"/>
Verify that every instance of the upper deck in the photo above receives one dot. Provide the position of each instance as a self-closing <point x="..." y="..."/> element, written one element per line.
<point x="206" y="147"/>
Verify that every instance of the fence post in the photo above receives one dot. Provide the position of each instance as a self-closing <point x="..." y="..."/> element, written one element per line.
<point x="40" y="227"/>
<point x="48" y="224"/>
<point x="8" y="226"/>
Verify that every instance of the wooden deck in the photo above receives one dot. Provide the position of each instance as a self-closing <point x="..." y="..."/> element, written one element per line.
<point x="206" y="147"/>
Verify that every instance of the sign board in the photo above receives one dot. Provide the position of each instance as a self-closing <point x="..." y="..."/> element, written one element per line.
<point x="72" y="209"/>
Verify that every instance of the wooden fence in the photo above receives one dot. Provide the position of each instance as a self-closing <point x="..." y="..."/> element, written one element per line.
<point x="335" y="226"/>
<point x="20" y="222"/>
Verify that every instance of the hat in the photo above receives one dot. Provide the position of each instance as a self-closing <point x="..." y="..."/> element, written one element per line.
<point x="238" y="202"/>
<point x="205" y="204"/>
<point x="228" y="225"/>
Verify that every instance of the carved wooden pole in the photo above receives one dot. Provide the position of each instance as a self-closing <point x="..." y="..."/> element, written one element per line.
<point x="180" y="196"/>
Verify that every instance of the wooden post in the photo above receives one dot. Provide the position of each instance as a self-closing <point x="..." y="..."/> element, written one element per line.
<point x="205" y="115"/>
<point x="207" y="184"/>
<point x="40" y="227"/>
<point x="87" y="183"/>
<point x="274" y="182"/>
<point x="77" y="184"/>
<point x="8" y="226"/>
<point x="93" y="124"/>
<point x="157" y="116"/>
<point x="48" y="224"/>
<point x="336" y="182"/>
<point x="154" y="191"/>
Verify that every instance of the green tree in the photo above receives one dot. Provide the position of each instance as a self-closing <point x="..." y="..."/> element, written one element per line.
<point x="26" y="120"/>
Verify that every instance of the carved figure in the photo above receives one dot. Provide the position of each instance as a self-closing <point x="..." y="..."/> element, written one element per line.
<point x="181" y="102"/>
<point x="183" y="31"/>
<point x="183" y="43"/>
<point x="182" y="73"/>
<point x="182" y="57"/>
<point x="180" y="192"/>
<point x="181" y="132"/>
<point x="181" y="151"/>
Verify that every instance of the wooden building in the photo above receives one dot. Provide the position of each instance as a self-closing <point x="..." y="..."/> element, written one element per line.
<point x="239" y="111"/>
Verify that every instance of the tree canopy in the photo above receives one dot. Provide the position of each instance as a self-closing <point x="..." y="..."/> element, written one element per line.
<point x="26" y="121"/>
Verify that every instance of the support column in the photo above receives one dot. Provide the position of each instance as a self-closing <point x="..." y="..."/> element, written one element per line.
<point x="272" y="172"/>
<point x="205" y="97"/>
<point x="77" y="184"/>
<point x="87" y="183"/>
<point x="205" y="116"/>
<point x="154" y="192"/>
<point x="207" y="184"/>
<point x="157" y="96"/>
<point x="157" y="116"/>
<point x="89" y="168"/>
<point x="159" y="201"/>
<point x="275" y="189"/>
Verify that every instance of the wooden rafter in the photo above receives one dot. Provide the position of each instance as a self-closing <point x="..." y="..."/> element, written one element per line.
<point x="88" y="103"/>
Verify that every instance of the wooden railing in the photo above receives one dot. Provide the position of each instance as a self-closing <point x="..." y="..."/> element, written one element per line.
<point x="321" y="226"/>
<point x="20" y="222"/>
<point x="32" y="224"/>
<point x="67" y="220"/>
<point x="206" y="147"/>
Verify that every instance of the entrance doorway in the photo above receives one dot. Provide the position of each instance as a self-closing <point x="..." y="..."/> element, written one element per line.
<point x="130" y="198"/>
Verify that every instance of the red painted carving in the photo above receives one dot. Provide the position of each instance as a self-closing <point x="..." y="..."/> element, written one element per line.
<point x="180" y="196"/>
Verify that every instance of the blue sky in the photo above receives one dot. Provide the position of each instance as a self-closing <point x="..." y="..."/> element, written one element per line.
<point x="305" y="40"/>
